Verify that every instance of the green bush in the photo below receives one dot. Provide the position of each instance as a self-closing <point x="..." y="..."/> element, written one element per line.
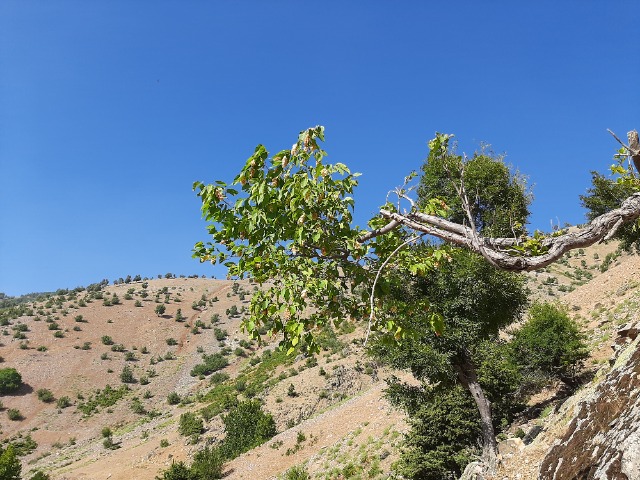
<point x="549" y="342"/>
<point x="298" y="472"/>
<point x="173" y="398"/>
<point x="45" y="395"/>
<point x="246" y="427"/>
<point x="445" y="426"/>
<point x="212" y="363"/>
<point x="10" y="466"/>
<point x="178" y="471"/>
<point x="126" y="376"/>
<point x="10" y="380"/>
<point x="14" y="414"/>
<point x="207" y="464"/>
<point x="190" y="425"/>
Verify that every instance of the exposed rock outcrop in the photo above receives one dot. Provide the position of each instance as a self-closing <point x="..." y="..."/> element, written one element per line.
<point x="603" y="439"/>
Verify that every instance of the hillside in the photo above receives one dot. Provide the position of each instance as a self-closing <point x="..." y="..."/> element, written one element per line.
<point x="76" y="344"/>
<point x="330" y="411"/>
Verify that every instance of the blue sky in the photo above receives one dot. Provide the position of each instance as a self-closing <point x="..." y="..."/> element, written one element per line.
<point x="109" y="110"/>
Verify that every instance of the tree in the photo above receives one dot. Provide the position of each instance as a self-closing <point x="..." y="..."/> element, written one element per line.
<point x="10" y="380"/>
<point x="476" y="301"/>
<point x="314" y="256"/>
<point x="160" y="309"/>
<point x="550" y="342"/>
<point x="10" y="467"/>
<point x="246" y="426"/>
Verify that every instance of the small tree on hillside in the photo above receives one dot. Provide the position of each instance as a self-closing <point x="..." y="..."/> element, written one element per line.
<point x="10" y="466"/>
<point x="550" y="342"/>
<point x="287" y="220"/>
<point x="10" y="380"/>
<point x="160" y="309"/>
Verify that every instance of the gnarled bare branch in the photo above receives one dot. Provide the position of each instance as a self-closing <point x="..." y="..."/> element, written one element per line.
<point x="498" y="250"/>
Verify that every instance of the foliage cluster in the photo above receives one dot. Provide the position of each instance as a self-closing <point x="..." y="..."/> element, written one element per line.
<point x="246" y="426"/>
<point x="212" y="363"/>
<point x="10" y="380"/>
<point x="104" y="398"/>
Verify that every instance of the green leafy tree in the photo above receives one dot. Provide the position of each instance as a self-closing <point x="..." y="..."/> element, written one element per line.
<point x="550" y="342"/>
<point x="285" y="222"/>
<point x="10" y="467"/>
<point x="190" y="425"/>
<point x="476" y="300"/>
<point x="160" y="309"/>
<point x="310" y="251"/>
<point x="246" y="426"/>
<point x="10" y="380"/>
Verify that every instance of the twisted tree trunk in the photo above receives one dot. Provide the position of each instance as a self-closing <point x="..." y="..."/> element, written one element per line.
<point x="466" y="372"/>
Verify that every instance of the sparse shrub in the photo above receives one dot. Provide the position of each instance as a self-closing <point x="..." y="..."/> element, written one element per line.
<point x="220" y="334"/>
<point x="127" y="375"/>
<point x="173" y="398"/>
<point x="212" y="363"/>
<point x="291" y="391"/>
<point x="63" y="402"/>
<point x="45" y="395"/>
<point x="14" y="414"/>
<point x="40" y="476"/>
<point x="106" y="432"/>
<point x="160" y="309"/>
<point x="171" y="341"/>
<point x="219" y="377"/>
<point x="164" y="443"/>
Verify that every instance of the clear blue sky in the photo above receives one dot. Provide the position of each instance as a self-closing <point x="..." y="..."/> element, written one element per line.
<point x="109" y="110"/>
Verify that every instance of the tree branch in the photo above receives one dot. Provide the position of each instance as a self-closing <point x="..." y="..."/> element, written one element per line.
<point x="497" y="250"/>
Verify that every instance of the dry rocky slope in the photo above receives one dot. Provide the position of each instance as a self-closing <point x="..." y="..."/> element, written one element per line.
<point x="330" y="412"/>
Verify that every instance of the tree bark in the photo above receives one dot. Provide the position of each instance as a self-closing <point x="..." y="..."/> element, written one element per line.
<point x="467" y="375"/>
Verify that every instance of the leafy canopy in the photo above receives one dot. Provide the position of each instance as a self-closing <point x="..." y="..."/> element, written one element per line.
<point x="286" y="223"/>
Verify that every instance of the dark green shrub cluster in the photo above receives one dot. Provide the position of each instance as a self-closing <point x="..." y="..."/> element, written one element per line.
<point x="550" y="343"/>
<point x="190" y="425"/>
<point x="246" y="427"/>
<point x="45" y="395"/>
<point x="10" y="380"/>
<point x="212" y="363"/>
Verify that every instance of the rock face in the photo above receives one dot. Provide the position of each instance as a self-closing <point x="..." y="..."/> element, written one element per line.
<point x="603" y="439"/>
